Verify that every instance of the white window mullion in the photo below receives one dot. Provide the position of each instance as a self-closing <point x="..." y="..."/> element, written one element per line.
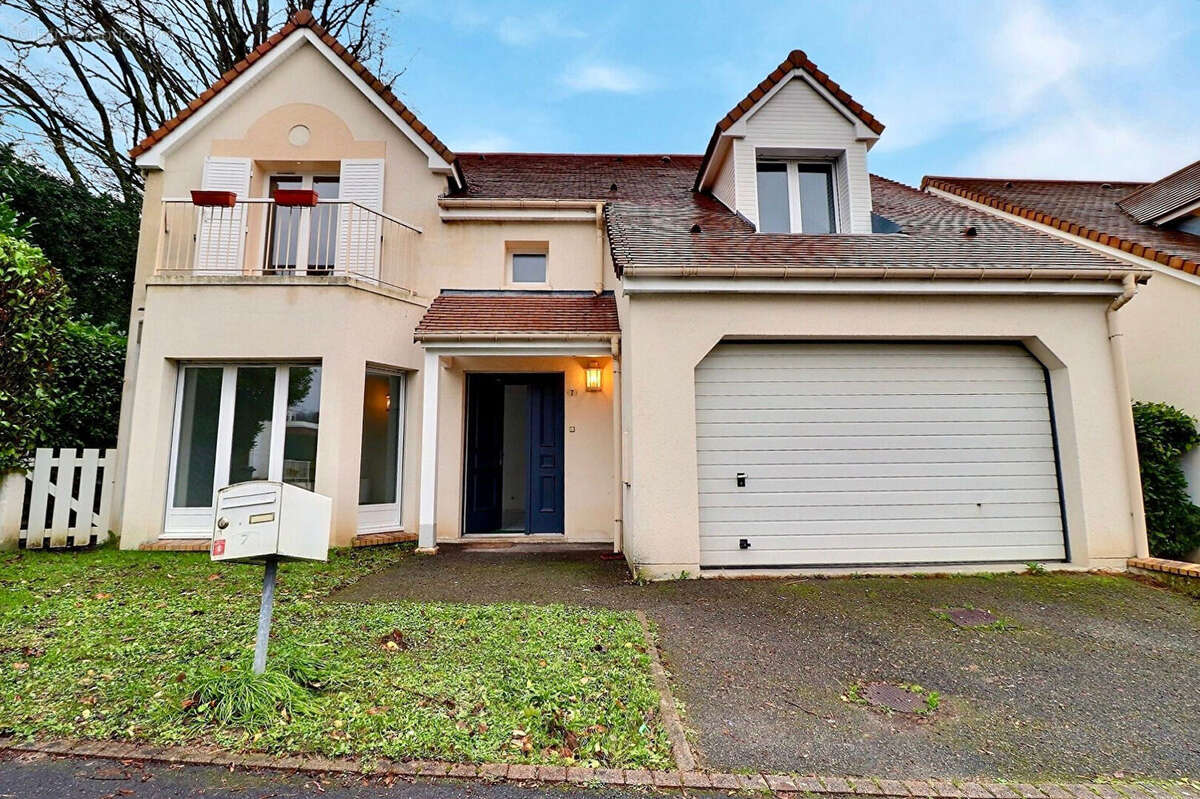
<point x="225" y="428"/>
<point x="278" y="424"/>
<point x="793" y="186"/>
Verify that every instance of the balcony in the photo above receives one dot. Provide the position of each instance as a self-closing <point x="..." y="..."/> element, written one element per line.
<point x="293" y="233"/>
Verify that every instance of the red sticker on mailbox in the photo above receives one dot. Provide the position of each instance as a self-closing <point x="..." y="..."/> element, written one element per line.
<point x="218" y="547"/>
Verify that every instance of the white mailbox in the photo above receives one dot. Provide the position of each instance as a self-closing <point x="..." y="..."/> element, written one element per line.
<point x="263" y="519"/>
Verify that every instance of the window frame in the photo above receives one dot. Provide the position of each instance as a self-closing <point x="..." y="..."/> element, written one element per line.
<point x="386" y="516"/>
<point x="795" y="211"/>
<point x="304" y="227"/>
<point x="514" y="248"/>
<point x="188" y="522"/>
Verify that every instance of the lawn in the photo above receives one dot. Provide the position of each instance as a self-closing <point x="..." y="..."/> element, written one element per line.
<point x="121" y="645"/>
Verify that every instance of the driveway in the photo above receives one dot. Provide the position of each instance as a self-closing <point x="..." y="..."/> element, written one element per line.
<point x="1085" y="675"/>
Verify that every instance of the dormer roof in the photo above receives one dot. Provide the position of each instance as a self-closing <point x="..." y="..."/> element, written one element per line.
<point x="797" y="63"/>
<point x="1163" y="200"/>
<point x="243" y="73"/>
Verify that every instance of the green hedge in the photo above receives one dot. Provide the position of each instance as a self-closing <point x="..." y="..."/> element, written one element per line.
<point x="1164" y="435"/>
<point x="90" y="368"/>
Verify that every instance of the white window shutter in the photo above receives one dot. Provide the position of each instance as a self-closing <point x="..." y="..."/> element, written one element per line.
<point x="359" y="230"/>
<point x="221" y="232"/>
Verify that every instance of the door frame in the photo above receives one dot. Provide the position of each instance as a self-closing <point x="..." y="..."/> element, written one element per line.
<point x="509" y="378"/>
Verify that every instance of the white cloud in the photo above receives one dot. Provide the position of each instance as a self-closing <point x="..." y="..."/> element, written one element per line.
<point x="597" y="77"/>
<point x="524" y="31"/>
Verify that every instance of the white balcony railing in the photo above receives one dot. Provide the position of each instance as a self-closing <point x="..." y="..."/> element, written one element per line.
<point x="262" y="236"/>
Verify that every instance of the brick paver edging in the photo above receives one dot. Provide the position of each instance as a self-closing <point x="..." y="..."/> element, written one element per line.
<point x="783" y="785"/>
<point x="1180" y="568"/>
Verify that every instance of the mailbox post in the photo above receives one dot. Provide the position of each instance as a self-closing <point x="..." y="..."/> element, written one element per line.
<point x="265" y="521"/>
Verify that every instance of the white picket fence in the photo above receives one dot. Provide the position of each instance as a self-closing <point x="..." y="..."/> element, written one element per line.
<point x="64" y="500"/>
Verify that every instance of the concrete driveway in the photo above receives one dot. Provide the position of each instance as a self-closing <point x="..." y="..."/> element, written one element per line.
<point x="1082" y="675"/>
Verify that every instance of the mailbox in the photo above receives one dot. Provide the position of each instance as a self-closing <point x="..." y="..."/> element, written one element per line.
<point x="268" y="520"/>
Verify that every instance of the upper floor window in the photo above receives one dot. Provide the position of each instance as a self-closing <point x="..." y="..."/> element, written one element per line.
<point x="796" y="197"/>
<point x="527" y="263"/>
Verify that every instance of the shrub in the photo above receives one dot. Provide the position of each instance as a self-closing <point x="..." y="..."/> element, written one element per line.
<point x="237" y="696"/>
<point x="1164" y="434"/>
<point x="87" y="401"/>
<point x="34" y="309"/>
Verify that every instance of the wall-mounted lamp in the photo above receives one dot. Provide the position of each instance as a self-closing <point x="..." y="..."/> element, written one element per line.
<point x="388" y="400"/>
<point x="591" y="376"/>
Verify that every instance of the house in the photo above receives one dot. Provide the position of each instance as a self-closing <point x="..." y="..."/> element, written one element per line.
<point x="1153" y="225"/>
<point x="758" y="359"/>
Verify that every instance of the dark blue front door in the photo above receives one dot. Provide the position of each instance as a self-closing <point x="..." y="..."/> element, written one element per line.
<point x="546" y="455"/>
<point x="514" y="454"/>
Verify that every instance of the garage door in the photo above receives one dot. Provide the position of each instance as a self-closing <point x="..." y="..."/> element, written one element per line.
<point x="872" y="454"/>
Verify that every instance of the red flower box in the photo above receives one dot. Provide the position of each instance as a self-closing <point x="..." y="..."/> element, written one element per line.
<point x="220" y="199"/>
<point x="306" y="198"/>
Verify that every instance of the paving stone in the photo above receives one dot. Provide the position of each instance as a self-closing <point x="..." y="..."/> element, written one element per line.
<point x="1054" y="791"/>
<point x="402" y="768"/>
<point x="431" y="768"/>
<point x="522" y="771"/>
<point x="666" y="779"/>
<point x="752" y="782"/>
<point x="867" y="787"/>
<point x="1106" y="791"/>
<point x="580" y="775"/>
<point x="1080" y="791"/>
<point x="895" y="788"/>
<point x="946" y="790"/>
<point x="1000" y="790"/>
<point x="464" y="771"/>
<point x="920" y="788"/>
<point x="638" y="776"/>
<point x="779" y="782"/>
<point x="1028" y="791"/>
<point x="609" y="776"/>
<point x="813" y="785"/>
<point x="1157" y="790"/>
<point x="493" y="771"/>
<point x="724" y="782"/>
<point x="695" y="779"/>
<point x="973" y="790"/>
<point x="552" y="773"/>
<point x="837" y="785"/>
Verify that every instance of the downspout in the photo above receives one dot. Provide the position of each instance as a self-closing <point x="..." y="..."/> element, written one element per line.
<point x="600" y="247"/>
<point x="1133" y="477"/>
<point x="618" y="466"/>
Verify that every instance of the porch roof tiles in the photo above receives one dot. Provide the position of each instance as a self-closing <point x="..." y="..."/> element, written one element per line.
<point x="518" y="313"/>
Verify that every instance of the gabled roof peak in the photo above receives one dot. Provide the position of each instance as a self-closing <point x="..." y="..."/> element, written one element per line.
<point x="302" y="20"/>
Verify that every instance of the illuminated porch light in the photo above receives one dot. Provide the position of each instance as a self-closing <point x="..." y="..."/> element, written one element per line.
<point x="591" y="376"/>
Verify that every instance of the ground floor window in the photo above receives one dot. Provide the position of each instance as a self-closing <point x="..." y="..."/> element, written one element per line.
<point x="382" y="439"/>
<point x="235" y="423"/>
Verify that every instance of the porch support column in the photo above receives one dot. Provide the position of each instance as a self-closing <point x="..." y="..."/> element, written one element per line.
<point x="427" y="520"/>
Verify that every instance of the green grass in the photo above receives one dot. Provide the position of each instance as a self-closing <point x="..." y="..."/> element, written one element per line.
<point x="156" y="647"/>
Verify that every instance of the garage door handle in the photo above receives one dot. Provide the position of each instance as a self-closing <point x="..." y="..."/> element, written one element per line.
<point x="741" y="479"/>
<point x="744" y="543"/>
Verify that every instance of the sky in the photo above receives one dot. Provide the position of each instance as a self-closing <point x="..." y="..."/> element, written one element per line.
<point x="1014" y="88"/>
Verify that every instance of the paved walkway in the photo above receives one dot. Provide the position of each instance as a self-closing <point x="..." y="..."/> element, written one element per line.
<point x="1088" y="675"/>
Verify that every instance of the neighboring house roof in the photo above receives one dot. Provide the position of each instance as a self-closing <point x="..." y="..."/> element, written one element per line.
<point x="1086" y="209"/>
<point x="499" y="313"/>
<point x="301" y="20"/>
<point x="1175" y="192"/>
<point x="795" y="60"/>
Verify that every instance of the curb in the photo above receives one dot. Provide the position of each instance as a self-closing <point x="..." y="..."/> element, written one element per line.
<point x="782" y="785"/>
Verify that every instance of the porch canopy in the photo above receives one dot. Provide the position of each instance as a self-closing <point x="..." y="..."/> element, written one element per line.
<point x="462" y="322"/>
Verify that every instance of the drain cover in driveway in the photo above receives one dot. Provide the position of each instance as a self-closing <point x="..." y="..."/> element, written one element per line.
<point x="970" y="617"/>
<point x="893" y="697"/>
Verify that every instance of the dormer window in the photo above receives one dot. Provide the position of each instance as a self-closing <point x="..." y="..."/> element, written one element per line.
<point x="796" y="197"/>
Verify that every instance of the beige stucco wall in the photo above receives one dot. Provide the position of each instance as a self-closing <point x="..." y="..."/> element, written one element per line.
<point x="667" y="335"/>
<point x="1162" y="327"/>
<point x="343" y="327"/>
<point x="588" y="436"/>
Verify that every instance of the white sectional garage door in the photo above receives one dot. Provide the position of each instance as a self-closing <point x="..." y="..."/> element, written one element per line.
<point x="875" y="454"/>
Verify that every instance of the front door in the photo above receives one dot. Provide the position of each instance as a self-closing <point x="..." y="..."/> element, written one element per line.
<point x="514" y="454"/>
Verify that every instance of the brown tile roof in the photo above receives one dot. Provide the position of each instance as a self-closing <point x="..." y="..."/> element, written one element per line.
<point x="508" y="313"/>
<point x="795" y="60"/>
<point x="555" y="176"/>
<point x="1162" y="197"/>
<point x="932" y="236"/>
<point x="298" y="21"/>
<point x="1083" y="208"/>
